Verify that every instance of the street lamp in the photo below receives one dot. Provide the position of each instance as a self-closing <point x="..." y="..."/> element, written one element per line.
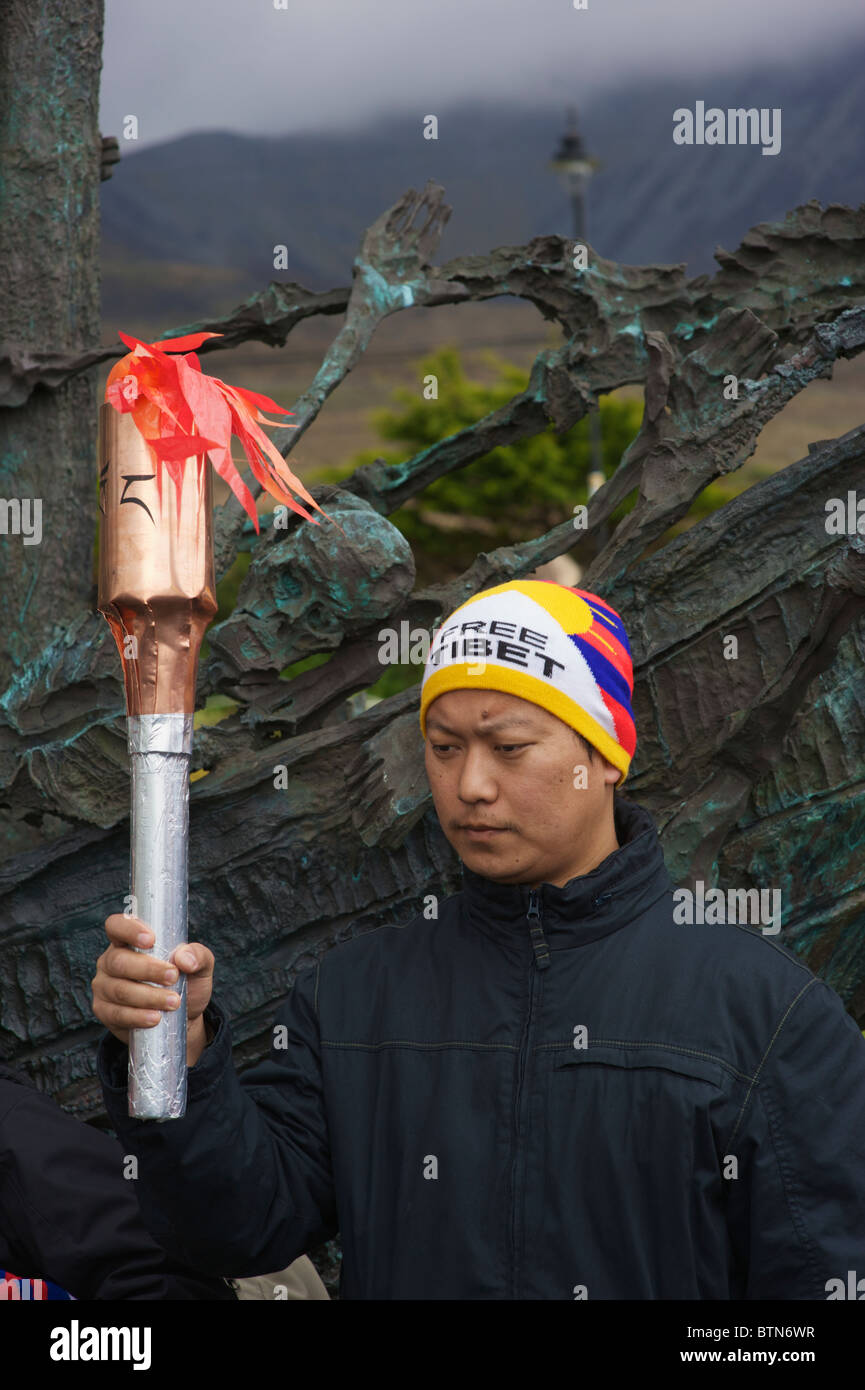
<point x="574" y="168"/>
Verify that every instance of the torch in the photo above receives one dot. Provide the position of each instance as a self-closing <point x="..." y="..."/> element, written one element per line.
<point x="161" y="420"/>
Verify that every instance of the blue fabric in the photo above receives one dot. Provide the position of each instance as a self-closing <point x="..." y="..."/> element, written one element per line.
<point x="32" y="1289"/>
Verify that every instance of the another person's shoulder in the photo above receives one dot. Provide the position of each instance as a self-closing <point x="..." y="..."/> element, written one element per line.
<point x="32" y="1120"/>
<point x="18" y="1094"/>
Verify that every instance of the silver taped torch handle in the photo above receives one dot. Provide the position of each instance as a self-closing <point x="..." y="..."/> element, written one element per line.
<point x="160" y="746"/>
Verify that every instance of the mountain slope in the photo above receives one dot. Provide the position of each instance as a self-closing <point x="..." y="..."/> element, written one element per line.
<point x="220" y="202"/>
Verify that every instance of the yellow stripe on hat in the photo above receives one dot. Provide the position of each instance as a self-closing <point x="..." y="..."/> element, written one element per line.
<point x="456" y="676"/>
<point x="570" y="611"/>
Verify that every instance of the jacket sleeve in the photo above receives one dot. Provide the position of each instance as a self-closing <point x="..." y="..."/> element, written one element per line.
<point x="68" y="1214"/>
<point x="797" y="1208"/>
<point x="242" y="1183"/>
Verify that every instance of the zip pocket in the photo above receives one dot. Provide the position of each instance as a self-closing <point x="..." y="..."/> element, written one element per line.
<point x="649" y="1055"/>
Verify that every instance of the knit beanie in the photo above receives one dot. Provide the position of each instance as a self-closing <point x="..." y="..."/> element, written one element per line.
<point x="561" y="648"/>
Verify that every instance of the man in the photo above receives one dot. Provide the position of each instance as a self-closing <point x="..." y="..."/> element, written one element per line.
<point x="548" y="1090"/>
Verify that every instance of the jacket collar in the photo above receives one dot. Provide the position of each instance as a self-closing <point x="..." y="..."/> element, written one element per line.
<point x="589" y="906"/>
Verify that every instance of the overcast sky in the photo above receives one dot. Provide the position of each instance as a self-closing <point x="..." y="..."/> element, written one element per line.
<point x="190" y="65"/>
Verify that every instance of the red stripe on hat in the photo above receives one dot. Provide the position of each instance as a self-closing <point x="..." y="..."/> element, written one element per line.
<point x="608" y="645"/>
<point x="626" y="734"/>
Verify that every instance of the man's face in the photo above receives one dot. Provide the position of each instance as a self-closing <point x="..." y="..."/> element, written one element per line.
<point x="497" y="760"/>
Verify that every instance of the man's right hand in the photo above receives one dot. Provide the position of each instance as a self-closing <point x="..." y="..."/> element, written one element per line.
<point x="121" y="997"/>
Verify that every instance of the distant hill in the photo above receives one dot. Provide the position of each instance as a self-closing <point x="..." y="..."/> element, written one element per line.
<point x="189" y="226"/>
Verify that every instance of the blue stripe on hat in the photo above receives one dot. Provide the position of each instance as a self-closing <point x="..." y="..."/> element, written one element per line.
<point x="608" y="676"/>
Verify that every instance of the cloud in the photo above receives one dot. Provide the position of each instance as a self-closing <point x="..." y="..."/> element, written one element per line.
<point x="243" y="65"/>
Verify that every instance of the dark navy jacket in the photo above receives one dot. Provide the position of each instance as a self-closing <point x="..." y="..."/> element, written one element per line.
<point x="425" y="1097"/>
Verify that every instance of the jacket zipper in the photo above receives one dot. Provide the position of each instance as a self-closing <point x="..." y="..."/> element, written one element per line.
<point x="540" y="962"/>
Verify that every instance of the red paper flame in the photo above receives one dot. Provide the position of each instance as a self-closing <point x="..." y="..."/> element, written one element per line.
<point x="169" y="397"/>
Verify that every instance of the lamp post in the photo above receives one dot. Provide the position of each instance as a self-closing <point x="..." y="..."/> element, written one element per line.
<point x="574" y="168"/>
